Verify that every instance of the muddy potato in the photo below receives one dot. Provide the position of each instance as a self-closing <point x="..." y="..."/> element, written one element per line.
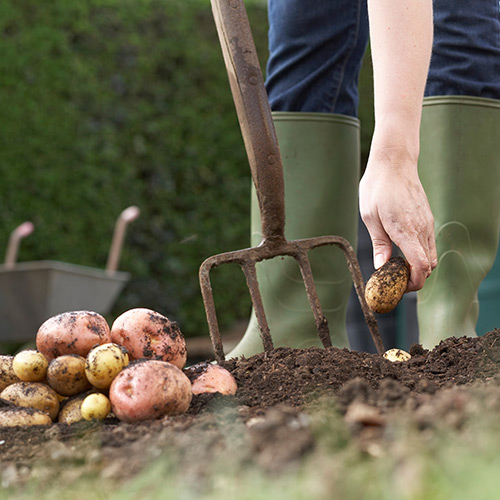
<point x="15" y="416"/>
<point x="206" y="377"/>
<point x="33" y="395"/>
<point x="7" y="375"/>
<point x="387" y="285"/>
<point x="73" y="332"/>
<point x="66" y="375"/>
<point x="149" y="389"/>
<point x="30" y="365"/>
<point x="70" y="411"/>
<point x="104" y="362"/>
<point x="95" y="407"/>
<point x="149" y="334"/>
<point x="396" y="355"/>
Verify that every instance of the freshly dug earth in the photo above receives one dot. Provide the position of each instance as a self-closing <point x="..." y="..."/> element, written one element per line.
<point x="275" y="392"/>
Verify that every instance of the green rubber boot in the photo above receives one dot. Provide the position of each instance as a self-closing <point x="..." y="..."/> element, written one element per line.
<point x="321" y="162"/>
<point x="459" y="168"/>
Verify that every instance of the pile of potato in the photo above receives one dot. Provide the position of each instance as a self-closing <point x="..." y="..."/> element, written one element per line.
<point x="82" y="369"/>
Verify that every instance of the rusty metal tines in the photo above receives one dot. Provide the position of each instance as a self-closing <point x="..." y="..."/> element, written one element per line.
<point x="261" y="144"/>
<point x="298" y="249"/>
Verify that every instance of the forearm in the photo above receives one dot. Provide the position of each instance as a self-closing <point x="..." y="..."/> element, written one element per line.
<point x="401" y="43"/>
<point x="393" y="204"/>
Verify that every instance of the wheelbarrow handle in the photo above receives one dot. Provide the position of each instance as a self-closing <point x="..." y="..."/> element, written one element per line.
<point x="254" y="113"/>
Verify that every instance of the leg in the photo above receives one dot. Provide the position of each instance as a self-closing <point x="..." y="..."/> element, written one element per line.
<point x="460" y="163"/>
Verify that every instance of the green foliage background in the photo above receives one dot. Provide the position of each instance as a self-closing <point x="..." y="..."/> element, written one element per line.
<point x="106" y="104"/>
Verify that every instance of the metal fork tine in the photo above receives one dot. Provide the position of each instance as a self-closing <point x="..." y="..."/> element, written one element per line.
<point x="253" y="286"/>
<point x="209" y="303"/>
<point x="312" y="295"/>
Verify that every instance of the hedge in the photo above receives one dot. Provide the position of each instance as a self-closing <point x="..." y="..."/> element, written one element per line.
<point x="107" y="104"/>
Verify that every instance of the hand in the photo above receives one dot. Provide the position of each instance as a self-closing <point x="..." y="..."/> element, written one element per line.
<point x="394" y="208"/>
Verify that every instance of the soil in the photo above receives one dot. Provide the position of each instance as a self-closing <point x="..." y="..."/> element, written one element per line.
<point x="276" y="391"/>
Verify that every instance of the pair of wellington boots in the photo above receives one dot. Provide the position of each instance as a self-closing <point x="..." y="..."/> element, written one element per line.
<point x="460" y="169"/>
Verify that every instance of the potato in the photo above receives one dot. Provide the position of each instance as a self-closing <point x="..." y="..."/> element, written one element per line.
<point x="396" y="355"/>
<point x="15" y="416"/>
<point x="30" y="365"/>
<point x="149" y="334"/>
<point x="74" y="332"/>
<point x="95" y="407"/>
<point x="387" y="285"/>
<point x="33" y="395"/>
<point x="7" y="375"/>
<point x="206" y="377"/>
<point x="66" y="375"/>
<point x="70" y="411"/>
<point x="149" y="389"/>
<point x="103" y="364"/>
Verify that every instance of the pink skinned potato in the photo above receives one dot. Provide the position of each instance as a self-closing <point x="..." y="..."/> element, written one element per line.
<point x="148" y="334"/>
<point x="73" y="332"/>
<point x="206" y="377"/>
<point x="149" y="389"/>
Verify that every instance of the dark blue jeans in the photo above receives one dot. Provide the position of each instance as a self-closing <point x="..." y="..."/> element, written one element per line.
<point x="317" y="46"/>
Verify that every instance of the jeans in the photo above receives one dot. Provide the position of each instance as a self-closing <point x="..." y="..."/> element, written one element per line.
<point x="317" y="46"/>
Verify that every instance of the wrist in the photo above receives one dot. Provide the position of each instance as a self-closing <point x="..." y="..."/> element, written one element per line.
<point x="396" y="142"/>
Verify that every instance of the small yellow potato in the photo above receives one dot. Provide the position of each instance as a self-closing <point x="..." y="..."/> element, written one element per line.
<point x="33" y="395"/>
<point x="148" y="334"/>
<point x="207" y="377"/>
<point x="72" y="332"/>
<point x="15" y="416"/>
<point x="66" y="375"/>
<point x="30" y="365"/>
<point x="7" y="375"/>
<point x="104" y="362"/>
<point x="396" y="355"/>
<point x="95" y="407"/>
<point x="387" y="285"/>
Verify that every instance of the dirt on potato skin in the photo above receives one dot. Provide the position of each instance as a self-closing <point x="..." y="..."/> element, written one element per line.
<point x="276" y="391"/>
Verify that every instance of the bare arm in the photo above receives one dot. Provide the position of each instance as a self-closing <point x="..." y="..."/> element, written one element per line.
<point x="393" y="204"/>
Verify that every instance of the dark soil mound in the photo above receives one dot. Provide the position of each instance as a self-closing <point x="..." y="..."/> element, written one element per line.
<point x="293" y="376"/>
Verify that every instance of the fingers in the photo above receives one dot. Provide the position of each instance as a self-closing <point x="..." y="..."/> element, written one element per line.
<point x="422" y="257"/>
<point x="382" y="244"/>
<point x="418" y="249"/>
<point x="419" y="271"/>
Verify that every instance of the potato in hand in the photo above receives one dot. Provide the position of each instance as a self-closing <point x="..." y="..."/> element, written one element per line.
<point x="387" y="285"/>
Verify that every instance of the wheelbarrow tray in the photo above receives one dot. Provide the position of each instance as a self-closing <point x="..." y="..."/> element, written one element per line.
<point x="31" y="292"/>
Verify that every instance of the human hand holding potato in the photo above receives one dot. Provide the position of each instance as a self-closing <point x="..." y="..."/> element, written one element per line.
<point x="395" y="209"/>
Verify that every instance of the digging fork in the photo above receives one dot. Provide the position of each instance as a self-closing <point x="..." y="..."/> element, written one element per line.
<point x="261" y="144"/>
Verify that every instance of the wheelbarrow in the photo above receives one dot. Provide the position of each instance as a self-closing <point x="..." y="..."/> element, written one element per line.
<point x="257" y="127"/>
<point x="31" y="292"/>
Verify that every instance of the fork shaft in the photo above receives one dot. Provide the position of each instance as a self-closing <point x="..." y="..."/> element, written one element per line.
<point x="254" y="113"/>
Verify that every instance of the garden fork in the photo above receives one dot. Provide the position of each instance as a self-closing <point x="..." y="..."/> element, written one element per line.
<point x="261" y="144"/>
